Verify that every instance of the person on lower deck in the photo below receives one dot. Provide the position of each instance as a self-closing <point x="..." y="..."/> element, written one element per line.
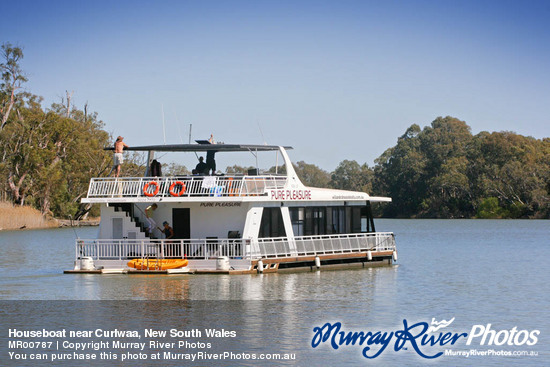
<point x="167" y="230"/>
<point x="171" y="248"/>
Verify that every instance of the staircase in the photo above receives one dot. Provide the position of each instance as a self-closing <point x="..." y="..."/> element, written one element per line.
<point x="128" y="208"/>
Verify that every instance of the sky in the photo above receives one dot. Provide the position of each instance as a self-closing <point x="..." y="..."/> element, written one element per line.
<point x="334" y="79"/>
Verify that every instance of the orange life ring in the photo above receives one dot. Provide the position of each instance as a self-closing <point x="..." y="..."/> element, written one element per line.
<point x="173" y="186"/>
<point x="147" y="193"/>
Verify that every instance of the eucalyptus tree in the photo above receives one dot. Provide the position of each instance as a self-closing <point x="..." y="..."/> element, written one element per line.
<point x="12" y="80"/>
<point x="350" y="175"/>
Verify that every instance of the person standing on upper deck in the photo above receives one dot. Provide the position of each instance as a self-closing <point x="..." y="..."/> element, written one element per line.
<point x="201" y="166"/>
<point x="118" y="158"/>
<point x="210" y="161"/>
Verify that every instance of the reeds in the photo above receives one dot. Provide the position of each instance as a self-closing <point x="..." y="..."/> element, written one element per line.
<point x="19" y="217"/>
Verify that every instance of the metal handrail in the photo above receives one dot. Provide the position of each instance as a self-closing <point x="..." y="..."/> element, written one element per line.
<point x="326" y="244"/>
<point x="126" y="249"/>
<point x="184" y="186"/>
<point x="204" y="249"/>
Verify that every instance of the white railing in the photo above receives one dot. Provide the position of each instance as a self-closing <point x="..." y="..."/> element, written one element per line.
<point x="234" y="248"/>
<point x="160" y="249"/>
<point x="326" y="244"/>
<point x="188" y="186"/>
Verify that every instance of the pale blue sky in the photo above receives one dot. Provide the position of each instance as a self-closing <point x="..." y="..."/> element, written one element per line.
<point x="335" y="79"/>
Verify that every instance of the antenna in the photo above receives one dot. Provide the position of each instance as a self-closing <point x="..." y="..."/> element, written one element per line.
<point x="179" y="133"/>
<point x="190" y="129"/>
<point x="179" y="127"/>
<point x="163" y="126"/>
<point x="262" y="134"/>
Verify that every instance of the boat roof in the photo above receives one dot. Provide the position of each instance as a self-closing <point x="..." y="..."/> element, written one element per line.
<point x="203" y="147"/>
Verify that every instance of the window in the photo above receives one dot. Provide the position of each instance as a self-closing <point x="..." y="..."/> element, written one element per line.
<point x="272" y="223"/>
<point x="319" y="223"/>
<point x="356" y="220"/>
<point x="297" y="216"/>
<point x="338" y="222"/>
<point x="311" y="221"/>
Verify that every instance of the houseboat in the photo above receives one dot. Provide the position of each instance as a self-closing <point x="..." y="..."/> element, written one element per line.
<point x="230" y="223"/>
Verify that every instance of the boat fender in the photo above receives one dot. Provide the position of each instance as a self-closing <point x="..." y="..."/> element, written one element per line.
<point x="260" y="266"/>
<point x="222" y="263"/>
<point x="87" y="263"/>
<point x="394" y="255"/>
<point x="173" y="186"/>
<point x="317" y="262"/>
<point x="369" y="255"/>
<point x="146" y="187"/>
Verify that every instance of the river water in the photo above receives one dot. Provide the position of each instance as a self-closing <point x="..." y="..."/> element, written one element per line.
<point x="477" y="272"/>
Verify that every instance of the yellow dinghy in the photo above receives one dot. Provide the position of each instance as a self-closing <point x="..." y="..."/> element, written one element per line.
<point x="157" y="264"/>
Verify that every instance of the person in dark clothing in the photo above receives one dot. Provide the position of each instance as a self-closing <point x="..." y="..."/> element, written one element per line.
<point x="156" y="168"/>
<point x="171" y="249"/>
<point x="167" y="230"/>
<point x="210" y="162"/>
<point x="201" y="167"/>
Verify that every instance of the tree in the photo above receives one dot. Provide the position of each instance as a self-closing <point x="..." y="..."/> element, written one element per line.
<point x="311" y="175"/>
<point x="444" y="171"/>
<point x="237" y="170"/>
<point x="12" y="78"/>
<point x="48" y="158"/>
<point x="445" y="145"/>
<point x="176" y="169"/>
<point x="400" y="173"/>
<point x="350" y="175"/>
<point x="514" y="170"/>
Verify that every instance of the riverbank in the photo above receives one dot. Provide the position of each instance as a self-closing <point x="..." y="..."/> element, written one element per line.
<point x="25" y="217"/>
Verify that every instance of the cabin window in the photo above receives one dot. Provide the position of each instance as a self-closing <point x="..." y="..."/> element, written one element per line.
<point x="297" y="216"/>
<point x="359" y="219"/>
<point x="356" y="220"/>
<point x="319" y="221"/>
<point x="315" y="223"/>
<point x="272" y="223"/>
<point x="338" y="220"/>
<point x="311" y="221"/>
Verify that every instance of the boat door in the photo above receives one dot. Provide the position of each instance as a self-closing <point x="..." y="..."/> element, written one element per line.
<point x="181" y="220"/>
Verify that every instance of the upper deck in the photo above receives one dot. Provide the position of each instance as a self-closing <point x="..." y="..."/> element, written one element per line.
<point x="184" y="188"/>
<point x="203" y="188"/>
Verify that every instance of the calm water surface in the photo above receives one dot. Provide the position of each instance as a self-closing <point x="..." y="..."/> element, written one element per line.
<point x="477" y="271"/>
